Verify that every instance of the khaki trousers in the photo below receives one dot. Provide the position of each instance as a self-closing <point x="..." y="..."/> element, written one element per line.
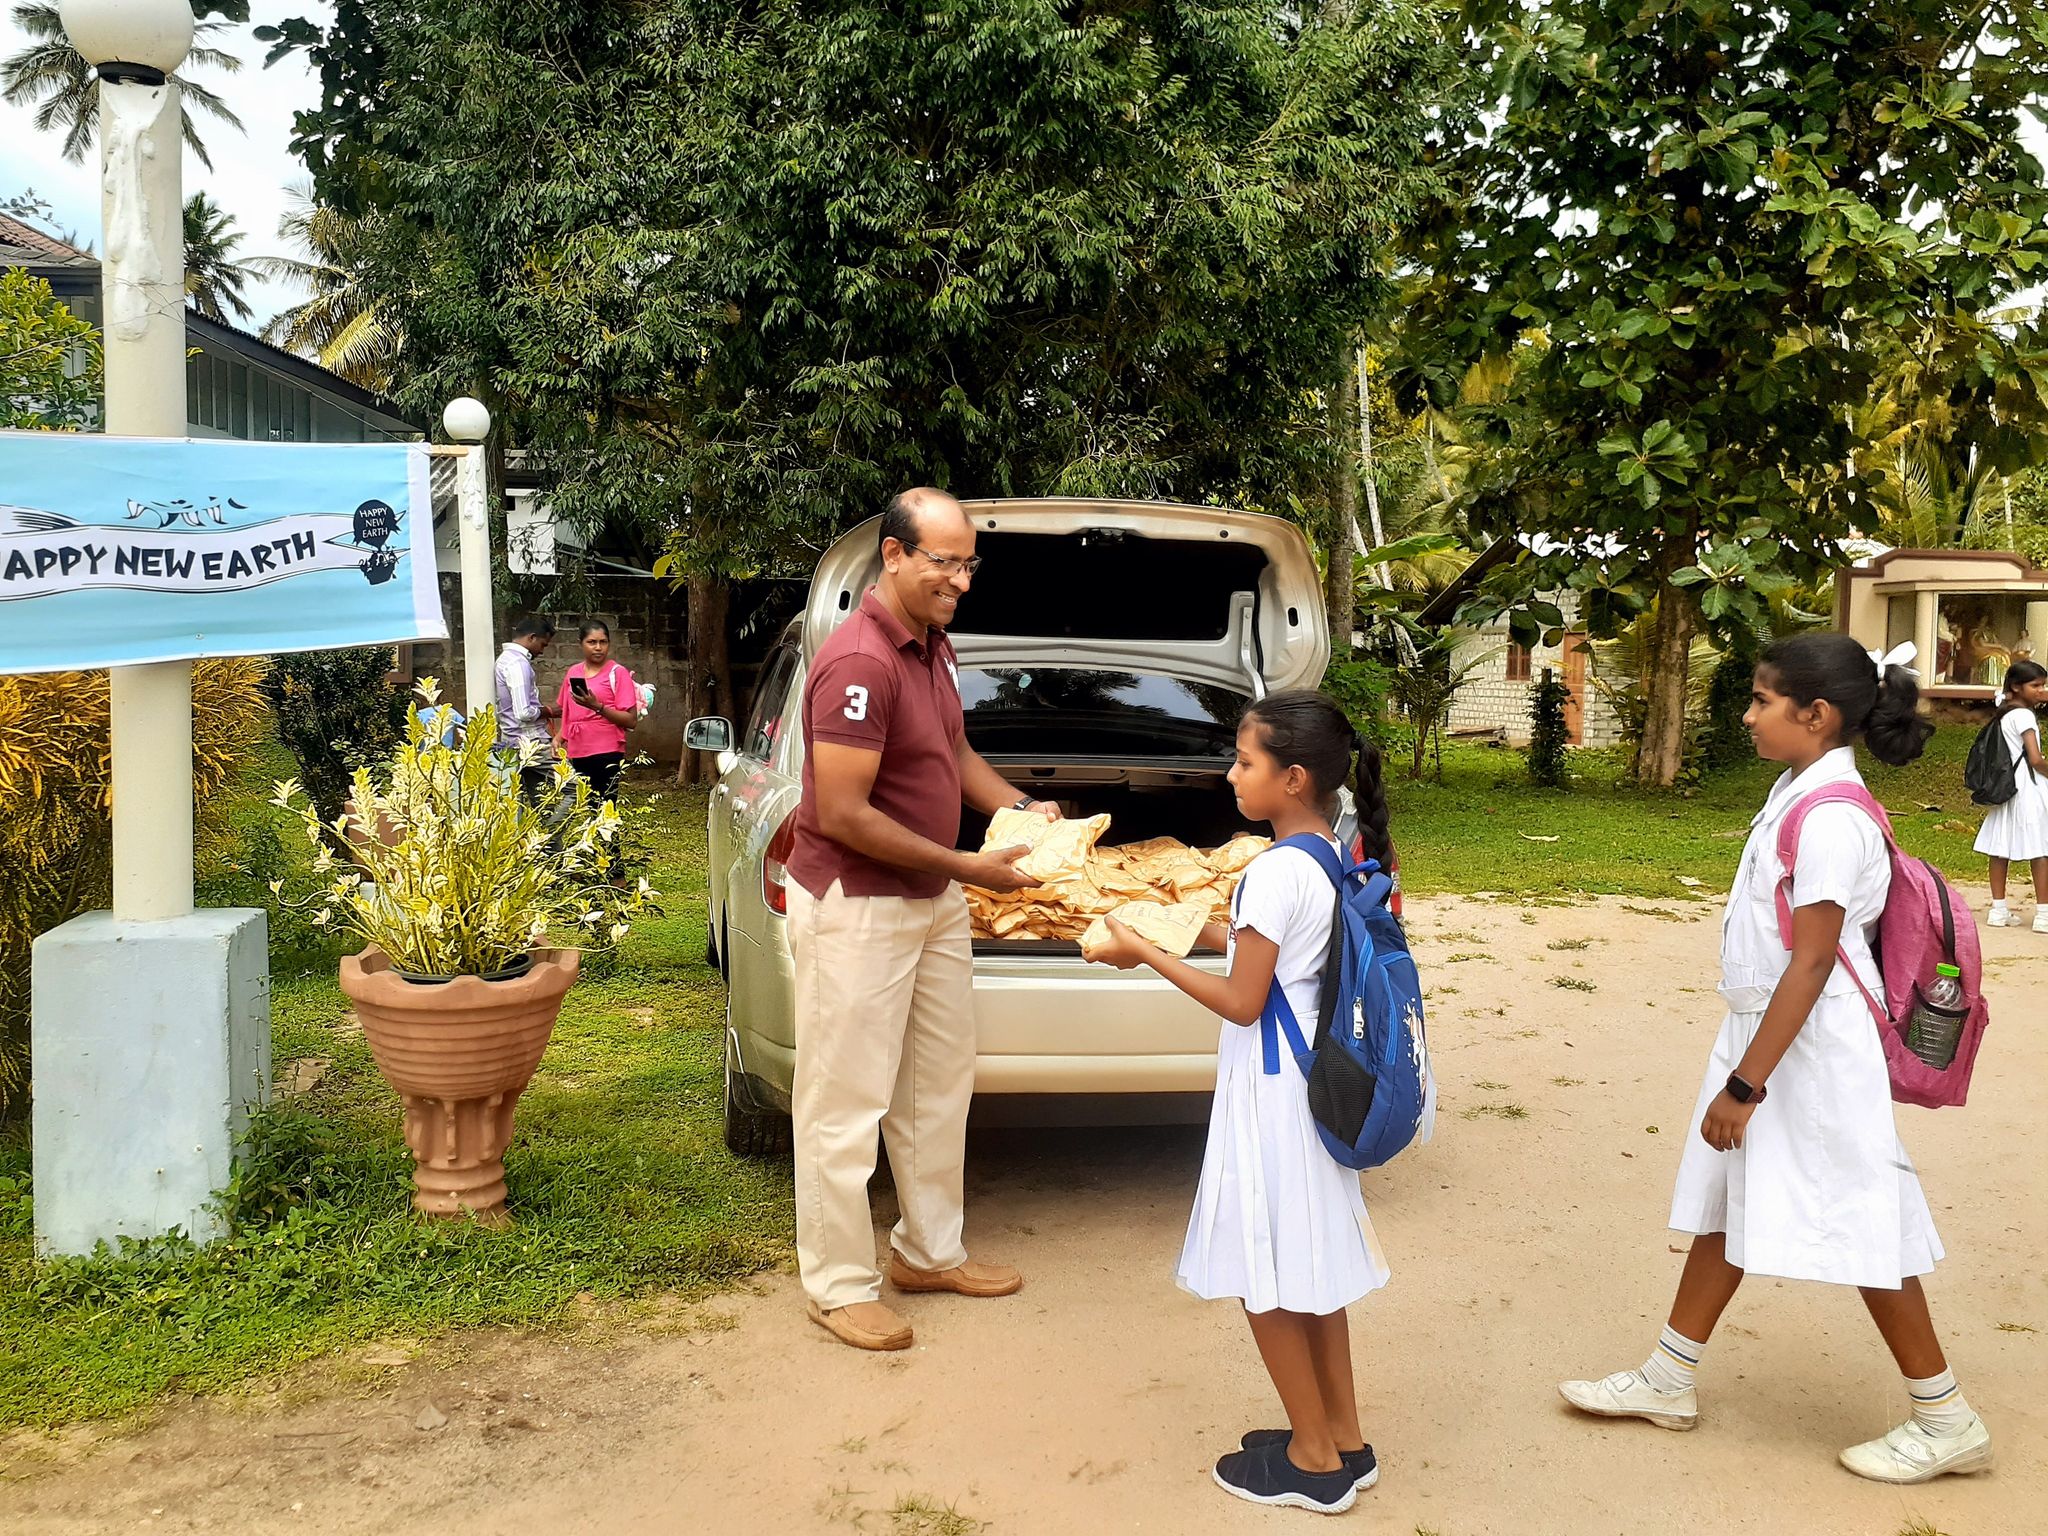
<point x="884" y="1038"/>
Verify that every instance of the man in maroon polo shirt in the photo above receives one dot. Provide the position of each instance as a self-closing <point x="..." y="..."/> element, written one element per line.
<point x="878" y="931"/>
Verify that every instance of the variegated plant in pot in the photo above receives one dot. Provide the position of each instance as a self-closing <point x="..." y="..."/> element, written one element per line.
<point x="474" y="904"/>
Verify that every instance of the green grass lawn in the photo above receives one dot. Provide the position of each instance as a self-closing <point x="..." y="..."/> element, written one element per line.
<point x="619" y="1181"/>
<point x="1486" y="828"/>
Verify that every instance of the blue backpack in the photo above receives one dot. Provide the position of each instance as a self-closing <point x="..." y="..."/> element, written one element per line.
<point x="1368" y="1071"/>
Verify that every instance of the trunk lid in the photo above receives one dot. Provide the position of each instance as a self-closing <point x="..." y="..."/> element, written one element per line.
<point x="1202" y="594"/>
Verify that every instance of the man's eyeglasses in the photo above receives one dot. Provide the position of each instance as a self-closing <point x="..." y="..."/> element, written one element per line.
<point x="952" y="565"/>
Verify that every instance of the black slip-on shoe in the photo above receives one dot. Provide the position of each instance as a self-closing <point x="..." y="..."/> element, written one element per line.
<point x="1266" y="1476"/>
<point x="1361" y="1464"/>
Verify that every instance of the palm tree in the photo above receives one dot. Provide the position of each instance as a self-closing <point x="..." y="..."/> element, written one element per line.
<point x="340" y="326"/>
<point x="213" y="278"/>
<point x="50" y="75"/>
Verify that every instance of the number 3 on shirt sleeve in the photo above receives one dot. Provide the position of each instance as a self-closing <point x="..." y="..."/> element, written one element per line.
<point x="856" y="704"/>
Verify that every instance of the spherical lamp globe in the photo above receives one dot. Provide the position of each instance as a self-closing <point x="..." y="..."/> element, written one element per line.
<point x="467" y="420"/>
<point x="154" y="34"/>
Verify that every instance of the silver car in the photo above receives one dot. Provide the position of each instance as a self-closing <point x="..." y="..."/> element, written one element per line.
<point x="1106" y="651"/>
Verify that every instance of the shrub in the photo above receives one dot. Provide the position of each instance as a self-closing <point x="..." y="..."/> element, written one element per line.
<point x="1724" y="740"/>
<point x="336" y="711"/>
<point x="457" y="872"/>
<point x="56" y="841"/>
<point x="1549" y="735"/>
<point x="1360" y="688"/>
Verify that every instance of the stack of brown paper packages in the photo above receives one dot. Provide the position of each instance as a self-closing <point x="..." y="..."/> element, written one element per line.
<point x="1161" y="888"/>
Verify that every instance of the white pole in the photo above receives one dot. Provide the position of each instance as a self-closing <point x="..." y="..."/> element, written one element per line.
<point x="142" y="287"/>
<point x="469" y="422"/>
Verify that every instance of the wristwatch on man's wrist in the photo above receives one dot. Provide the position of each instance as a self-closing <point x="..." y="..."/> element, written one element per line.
<point x="1025" y="804"/>
<point x="1742" y="1091"/>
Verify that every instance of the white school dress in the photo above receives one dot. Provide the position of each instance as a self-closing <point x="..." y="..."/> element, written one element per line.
<point x="2018" y="829"/>
<point x="1821" y="1188"/>
<point x="1277" y="1222"/>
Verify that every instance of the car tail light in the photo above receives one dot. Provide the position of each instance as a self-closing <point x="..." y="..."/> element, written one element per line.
<point x="775" y="867"/>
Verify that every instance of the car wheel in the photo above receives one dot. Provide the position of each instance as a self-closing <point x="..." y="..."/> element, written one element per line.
<point x="710" y="937"/>
<point x="750" y="1131"/>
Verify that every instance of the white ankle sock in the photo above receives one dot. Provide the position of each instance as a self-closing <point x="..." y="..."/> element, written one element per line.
<point x="1999" y="904"/>
<point x="1939" y="1406"/>
<point x="1673" y="1362"/>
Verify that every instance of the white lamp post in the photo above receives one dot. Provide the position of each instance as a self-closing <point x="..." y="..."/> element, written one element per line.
<point x="151" y="1024"/>
<point x="469" y="422"/>
<point x="134" y="45"/>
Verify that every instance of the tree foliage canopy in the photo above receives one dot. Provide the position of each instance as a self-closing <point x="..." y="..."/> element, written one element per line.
<point x="1713" y="213"/>
<point x="746" y="269"/>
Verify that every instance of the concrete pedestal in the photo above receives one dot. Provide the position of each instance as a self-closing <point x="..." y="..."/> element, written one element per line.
<point x="152" y="1045"/>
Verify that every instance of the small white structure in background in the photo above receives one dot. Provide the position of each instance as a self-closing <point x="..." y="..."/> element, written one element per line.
<point x="1493" y="701"/>
<point x="529" y="533"/>
<point x="532" y="534"/>
<point x="1971" y="613"/>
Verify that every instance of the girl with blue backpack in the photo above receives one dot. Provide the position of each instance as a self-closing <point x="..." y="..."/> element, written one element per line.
<point x="1279" y="1224"/>
<point x="1798" y="1170"/>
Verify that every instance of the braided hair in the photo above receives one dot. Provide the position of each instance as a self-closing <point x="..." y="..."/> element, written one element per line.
<point x="1305" y="729"/>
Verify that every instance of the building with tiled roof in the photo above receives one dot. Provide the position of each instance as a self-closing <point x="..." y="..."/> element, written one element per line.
<point x="236" y="385"/>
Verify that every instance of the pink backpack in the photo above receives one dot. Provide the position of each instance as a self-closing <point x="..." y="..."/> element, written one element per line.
<point x="1918" y="931"/>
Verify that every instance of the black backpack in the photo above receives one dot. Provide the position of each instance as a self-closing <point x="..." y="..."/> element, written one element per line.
<point x="1990" y="775"/>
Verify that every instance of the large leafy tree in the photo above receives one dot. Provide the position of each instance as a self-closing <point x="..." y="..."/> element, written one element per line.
<point x="741" y="270"/>
<point x="50" y="75"/>
<point x="1718" y="212"/>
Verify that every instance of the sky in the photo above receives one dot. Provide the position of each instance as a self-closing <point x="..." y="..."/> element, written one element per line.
<point x="251" y="170"/>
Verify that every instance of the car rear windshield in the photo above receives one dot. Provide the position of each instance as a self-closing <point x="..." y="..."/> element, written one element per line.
<point x="1072" y="712"/>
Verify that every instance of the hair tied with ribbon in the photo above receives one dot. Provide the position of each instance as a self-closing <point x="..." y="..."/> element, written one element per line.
<point x="1897" y="656"/>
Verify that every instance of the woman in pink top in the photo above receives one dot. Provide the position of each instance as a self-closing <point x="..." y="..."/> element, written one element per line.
<point x="598" y="704"/>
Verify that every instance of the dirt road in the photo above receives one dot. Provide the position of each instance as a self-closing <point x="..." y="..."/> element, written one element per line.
<point x="1527" y="1244"/>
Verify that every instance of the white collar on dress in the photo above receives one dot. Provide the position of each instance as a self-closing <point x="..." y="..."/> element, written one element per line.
<point x="1833" y="766"/>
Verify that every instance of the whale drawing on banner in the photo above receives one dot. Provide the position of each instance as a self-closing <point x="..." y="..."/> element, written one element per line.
<point x="45" y="552"/>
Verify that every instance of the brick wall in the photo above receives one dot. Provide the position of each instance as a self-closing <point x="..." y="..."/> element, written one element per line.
<point x="1490" y="703"/>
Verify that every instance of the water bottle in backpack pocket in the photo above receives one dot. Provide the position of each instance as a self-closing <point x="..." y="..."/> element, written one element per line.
<point x="1932" y="1016"/>
<point x="1370" y="1090"/>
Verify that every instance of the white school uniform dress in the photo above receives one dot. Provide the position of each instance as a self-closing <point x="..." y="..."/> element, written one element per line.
<point x="1821" y="1188"/>
<point x="1277" y="1221"/>
<point x="2018" y="829"/>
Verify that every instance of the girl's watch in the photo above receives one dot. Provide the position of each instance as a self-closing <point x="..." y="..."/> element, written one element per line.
<point x="1742" y="1091"/>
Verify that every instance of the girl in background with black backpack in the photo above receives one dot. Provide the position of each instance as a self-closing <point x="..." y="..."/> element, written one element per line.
<point x="2017" y="826"/>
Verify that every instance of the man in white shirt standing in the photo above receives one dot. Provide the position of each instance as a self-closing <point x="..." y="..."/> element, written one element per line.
<point x="523" y="731"/>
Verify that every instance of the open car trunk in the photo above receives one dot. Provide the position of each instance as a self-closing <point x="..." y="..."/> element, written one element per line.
<point x="1206" y="595"/>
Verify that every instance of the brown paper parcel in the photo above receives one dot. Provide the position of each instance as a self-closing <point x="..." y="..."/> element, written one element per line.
<point x="1174" y="929"/>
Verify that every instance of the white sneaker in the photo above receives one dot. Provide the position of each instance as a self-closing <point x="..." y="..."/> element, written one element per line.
<point x="2002" y="917"/>
<point x="1626" y="1395"/>
<point x="2041" y="919"/>
<point x="1909" y="1454"/>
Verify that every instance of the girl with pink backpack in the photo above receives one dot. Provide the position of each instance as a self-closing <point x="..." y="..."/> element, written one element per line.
<point x="1797" y="1170"/>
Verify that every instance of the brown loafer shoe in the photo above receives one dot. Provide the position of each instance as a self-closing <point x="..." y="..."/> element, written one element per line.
<point x="969" y="1279"/>
<point x="864" y="1325"/>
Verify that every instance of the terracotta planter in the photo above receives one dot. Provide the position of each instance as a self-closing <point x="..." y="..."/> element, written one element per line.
<point x="459" y="1053"/>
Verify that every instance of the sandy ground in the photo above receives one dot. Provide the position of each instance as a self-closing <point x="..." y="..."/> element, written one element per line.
<point x="1525" y="1248"/>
